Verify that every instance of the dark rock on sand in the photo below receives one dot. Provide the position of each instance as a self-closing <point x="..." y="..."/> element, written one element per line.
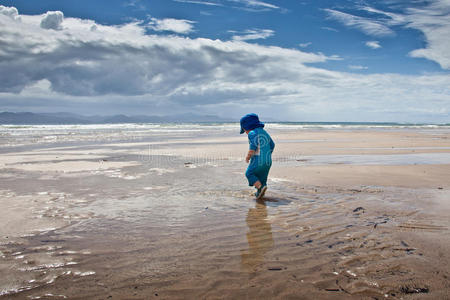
<point x="359" y="209"/>
<point x="413" y="290"/>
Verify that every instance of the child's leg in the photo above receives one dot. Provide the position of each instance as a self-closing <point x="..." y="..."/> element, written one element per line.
<point x="252" y="177"/>
<point x="263" y="172"/>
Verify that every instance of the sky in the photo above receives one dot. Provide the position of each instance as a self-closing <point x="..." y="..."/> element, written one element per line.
<point x="290" y="60"/>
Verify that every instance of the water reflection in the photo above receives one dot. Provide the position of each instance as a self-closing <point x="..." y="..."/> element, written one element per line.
<point x="259" y="237"/>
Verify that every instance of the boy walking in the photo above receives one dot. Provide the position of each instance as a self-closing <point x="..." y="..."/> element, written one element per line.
<point x="259" y="155"/>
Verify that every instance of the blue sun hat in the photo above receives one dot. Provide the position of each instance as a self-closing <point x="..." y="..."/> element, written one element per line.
<point x="250" y="122"/>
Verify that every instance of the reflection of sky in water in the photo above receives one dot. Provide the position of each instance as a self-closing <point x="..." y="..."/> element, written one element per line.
<point x="377" y="159"/>
<point x="398" y="148"/>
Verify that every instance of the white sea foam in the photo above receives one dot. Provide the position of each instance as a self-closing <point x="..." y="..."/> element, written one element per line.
<point x="35" y="134"/>
<point x="82" y="274"/>
<point x="161" y="171"/>
<point x="53" y="131"/>
<point x="274" y="179"/>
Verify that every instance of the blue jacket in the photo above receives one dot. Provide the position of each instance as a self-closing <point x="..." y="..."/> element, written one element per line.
<point x="263" y="145"/>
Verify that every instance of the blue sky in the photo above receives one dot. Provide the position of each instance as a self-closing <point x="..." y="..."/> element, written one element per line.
<point x="286" y="60"/>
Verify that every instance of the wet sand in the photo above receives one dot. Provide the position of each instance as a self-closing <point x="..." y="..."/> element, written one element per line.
<point x="133" y="213"/>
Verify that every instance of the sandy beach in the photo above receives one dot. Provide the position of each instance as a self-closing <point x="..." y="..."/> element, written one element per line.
<point x="136" y="212"/>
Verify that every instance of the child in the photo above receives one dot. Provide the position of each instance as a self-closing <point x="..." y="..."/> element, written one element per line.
<point x="259" y="154"/>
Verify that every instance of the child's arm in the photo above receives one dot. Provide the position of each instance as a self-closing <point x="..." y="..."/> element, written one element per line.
<point x="249" y="155"/>
<point x="253" y="145"/>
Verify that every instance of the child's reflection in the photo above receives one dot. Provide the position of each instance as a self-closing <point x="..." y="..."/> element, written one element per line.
<point x="259" y="237"/>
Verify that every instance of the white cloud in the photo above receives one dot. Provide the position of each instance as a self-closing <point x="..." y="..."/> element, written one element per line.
<point x="357" y="67"/>
<point x="121" y="68"/>
<point x="199" y="2"/>
<point x="366" y="25"/>
<point x="251" y="5"/>
<point x="373" y="44"/>
<point x="257" y="3"/>
<point x="392" y="18"/>
<point x="434" y="21"/>
<point x="252" y="34"/>
<point x="10" y="12"/>
<point x="52" y="20"/>
<point x="304" y="45"/>
<point x="329" y="29"/>
<point x="124" y="60"/>
<point x="173" y="25"/>
<point x="136" y="4"/>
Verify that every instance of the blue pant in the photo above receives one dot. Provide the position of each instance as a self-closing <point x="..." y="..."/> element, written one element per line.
<point x="257" y="171"/>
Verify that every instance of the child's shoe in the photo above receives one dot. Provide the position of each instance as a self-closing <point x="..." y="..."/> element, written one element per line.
<point x="260" y="193"/>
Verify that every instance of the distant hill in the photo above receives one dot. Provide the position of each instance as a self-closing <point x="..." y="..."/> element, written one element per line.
<point x="62" y="118"/>
<point x="27" y="118"/>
